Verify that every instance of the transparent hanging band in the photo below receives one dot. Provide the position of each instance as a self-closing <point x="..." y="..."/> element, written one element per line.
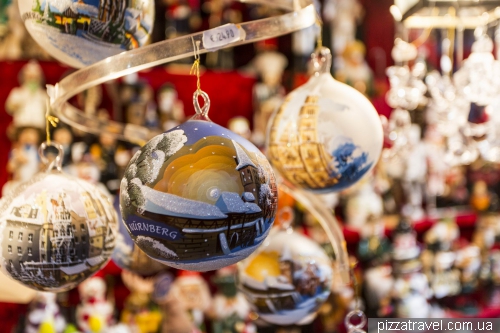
<point x="328" y="223"/>
<point x="302" y="15"/>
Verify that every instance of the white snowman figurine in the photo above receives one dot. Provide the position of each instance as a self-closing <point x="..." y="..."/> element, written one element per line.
<point x="45" y="315"/>
<point x="95" y="313"/>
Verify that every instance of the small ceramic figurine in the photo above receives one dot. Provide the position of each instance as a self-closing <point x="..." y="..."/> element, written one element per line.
<point x="355" y="71"/>
<point x="414" y="178"/>
<point x="24" y="161"/>
<point x="343" y="16"/>
<point x="363" y="204"/>
<point x="480" y="197"/>
<point x="411" y="290"/>
<point x="140" y="313"/>
<point x="111" y="158"/>
<point x="182" y="18"/>
<point x="170" y="107"/>
<point x="94" y="314"/>
<point x="229" y="310"/>
<point x="269" y="93"/>
<point x="193" y="295"/>
<point x="64" y="136"/>
<point x="27" y="103"/>
<point x="374" y="246"/>
<point x="44" y="315"/>
<point x="175" y="317"/>
<point x="469" y="262"/>
<point x="378" y="282"/>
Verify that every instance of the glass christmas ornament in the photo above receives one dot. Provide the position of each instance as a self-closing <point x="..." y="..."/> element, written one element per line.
<point x="198" y="197"/>
<point x="287" y="279"/>
<point x="128" y="256"/>
<point x="56" y="230"/>
<point x="326" y="135"/>
<point x="80" y="33"/>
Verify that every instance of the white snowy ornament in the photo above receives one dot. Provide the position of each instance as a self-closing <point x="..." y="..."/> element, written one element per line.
<point x="326" y="135"/>
<point x="287" y="279"/>
<point x="80" y="33"/>
<point x="198" y="197"/>
<point x="56" y="230"/>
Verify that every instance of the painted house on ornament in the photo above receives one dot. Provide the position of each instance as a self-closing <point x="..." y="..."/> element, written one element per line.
<point x="50" y="241"/>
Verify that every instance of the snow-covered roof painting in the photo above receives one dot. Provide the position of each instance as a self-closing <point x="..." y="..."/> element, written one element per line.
<point x="243" y="159"/>
<point x="168" y="204"/>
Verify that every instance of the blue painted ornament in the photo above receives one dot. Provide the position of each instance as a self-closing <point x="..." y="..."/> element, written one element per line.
<point x="128" y="256"/>
<point x="198" y="197"/>
<point x="326" y="136"/>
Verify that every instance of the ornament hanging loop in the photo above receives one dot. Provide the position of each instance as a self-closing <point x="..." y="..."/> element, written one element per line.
<point x="201" y="110"/>
<point x="321" y="61"/>
<point x="355" y="328"/>
<point x="55" y="163"/>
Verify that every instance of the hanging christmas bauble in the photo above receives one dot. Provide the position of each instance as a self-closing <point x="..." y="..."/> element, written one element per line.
<point x="130" y="257"/>
<point x="287" y="279"/>
<point x="56" y="230"/>
<point x="80" y="33"/>
<point x="326" y="135"/>
<point x="198" y="197"/>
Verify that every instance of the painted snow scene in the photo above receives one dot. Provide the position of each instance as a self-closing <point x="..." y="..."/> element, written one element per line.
<point x="198" y="197"/>
<point x="56" y="231"/>
<point x="82" y="32"/>
<point x="287" y="279"/>
<point x="324" y="141"/>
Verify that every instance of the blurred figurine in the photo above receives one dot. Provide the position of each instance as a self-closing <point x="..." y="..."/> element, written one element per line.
<point x="24" y="161"/>
<point x="414" y="178"/>
<point x="343" y="17"/>
<point x="193" y="295"/>
<point x="27" y="103"/>
<point x="175" y="317"/>
<point x="480" y="198"/>
<point x="374" y="246"/>
<point x="111" y="159"/>
<point x="468" y="261"/>
<point x="355" y="71"/>
<point x="15" y="41"/>
<point x="44" y="315"/>
<point x="269" y="93"/>
<point x="94" y="314"/>
<point x="170" y="107"/>
<point x="181" y="18"/>
<point x="363" y="204"/>
<point x="140" y="313"/>
<point x="240" y="126"/>
<point x="230" y="309"/>
<point x="411" y="290"/>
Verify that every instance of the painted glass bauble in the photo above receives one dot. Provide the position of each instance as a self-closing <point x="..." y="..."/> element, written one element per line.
<point x="198" y="197"/>
<point x="56" y="231"/>
<point x="130" y="257"/>
<point x="82" y="32"/>
<point x="326" y="135"/>
<point x="287" y="279"/>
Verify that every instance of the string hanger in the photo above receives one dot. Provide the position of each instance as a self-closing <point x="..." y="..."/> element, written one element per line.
<point x="49" y="120"/>
<point x="201" y="112"/>
<point x="195" y="69"/>
<point x="319" y="37"/>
